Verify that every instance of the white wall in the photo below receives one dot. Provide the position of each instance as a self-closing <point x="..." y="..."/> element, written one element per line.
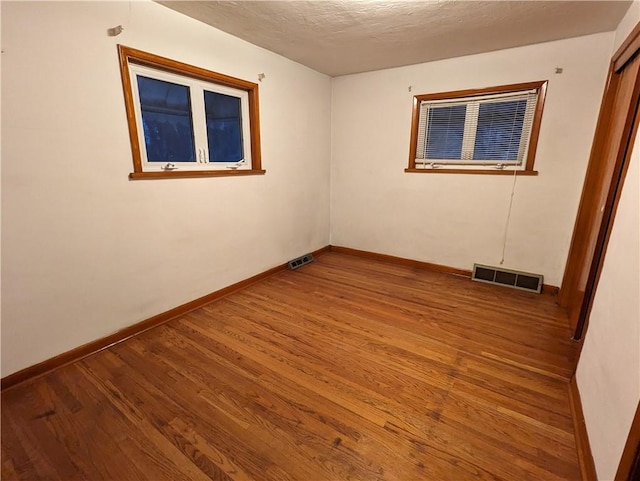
<point x="85" y="251"/>
<point x="609" y="370"/>
<point x="608" y="373"/>
<point x="459" y="219"/>
<point x="627" y="24"/>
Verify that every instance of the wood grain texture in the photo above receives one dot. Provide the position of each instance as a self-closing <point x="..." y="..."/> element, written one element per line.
<point x="184" y="174"/>
<point x="628" y="49"/>
<point x="413" y="142"/>
<point x="440" y="170"/>
<point x="135" y="329"/>
<point x="629" y="466"/>
<point x="585" y="456"/>
<point x="610" y="207"/>
<point x="403" y="261"/>
<point x="535" y="127"/>
<point x="605" y="175"/>
<point x="576" y="263"/>
<point x="347" y="368"/>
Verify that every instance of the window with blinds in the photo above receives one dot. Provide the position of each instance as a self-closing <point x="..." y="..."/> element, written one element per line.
<point x="492" y="128"/>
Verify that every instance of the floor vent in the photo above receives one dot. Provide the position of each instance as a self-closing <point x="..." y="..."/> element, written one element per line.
<point x="300" y="261"/>
<point x="506" y="277"/>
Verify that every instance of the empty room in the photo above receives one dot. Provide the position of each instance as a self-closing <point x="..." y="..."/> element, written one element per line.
<point x="320" y="240"/>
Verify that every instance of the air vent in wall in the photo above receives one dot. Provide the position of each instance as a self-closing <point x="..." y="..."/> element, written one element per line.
<point x="300" y="261"/>
<point x="505" y="277"/>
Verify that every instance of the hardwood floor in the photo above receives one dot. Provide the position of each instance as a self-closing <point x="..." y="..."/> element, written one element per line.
<point x="344" y="369"/>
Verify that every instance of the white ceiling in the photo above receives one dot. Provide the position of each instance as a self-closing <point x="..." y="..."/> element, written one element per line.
<point x="342" y="37"/>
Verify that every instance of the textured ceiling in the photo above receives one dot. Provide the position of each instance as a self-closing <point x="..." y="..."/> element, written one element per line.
<point x="349" y="36"/>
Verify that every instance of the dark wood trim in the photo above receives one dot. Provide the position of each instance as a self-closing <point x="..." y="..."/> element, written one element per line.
<point x="254" y="128"/>
<point x="129" y="108"/>
<point x="140" y="57"/>
<point x="413" y="143"/>
<point x="634" y="475"/>
<point x="173" y="174"/>
<point x="541" y="86"/>
<point x="535" y="127"/>
<point x="585" y="458"/>
<point x="471" y="171"/>
<point x="577" y="251"/>
<point x="606" y="227"/>
<point x="343" y="346"/>
<point x="501" y="89"/>
<point x="98" y="345"/>
<point x="129" y="55"/>
<point x="549" y="289"/>
<point x="403" y="261"/>
<point x="601" y="190"/>
<point x="630" y="460"/>
<point x="628" y="49"/>
<point x="103" y="343"/>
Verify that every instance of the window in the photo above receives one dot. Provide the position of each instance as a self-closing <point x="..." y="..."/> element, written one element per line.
<point x="185" y="121"/>
<point x="493" y="130"/>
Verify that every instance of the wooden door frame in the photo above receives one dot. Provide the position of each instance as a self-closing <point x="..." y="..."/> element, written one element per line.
<point x="580" y="261"/>
<point x="630" y="461"/>
<point x="610" y="209"/>
<point x="588" y="222"/>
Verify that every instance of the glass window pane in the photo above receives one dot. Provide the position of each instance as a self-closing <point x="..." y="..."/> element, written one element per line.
<point x="445" y="131"/>
<point x="166" y="119"/>
<point x="499" y="130"/>
<point x="224" y="127"/>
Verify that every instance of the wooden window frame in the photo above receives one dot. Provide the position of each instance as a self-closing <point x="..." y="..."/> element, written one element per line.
<point x="540" y="86"/>
<point x="129" y="55"/>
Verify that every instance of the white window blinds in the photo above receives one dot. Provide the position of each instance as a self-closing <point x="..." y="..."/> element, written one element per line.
<point x="482" y="130"/>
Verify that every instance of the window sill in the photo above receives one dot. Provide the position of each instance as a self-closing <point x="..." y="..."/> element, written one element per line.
<point x="471" y="171"/>
<point x="194" y="173"/>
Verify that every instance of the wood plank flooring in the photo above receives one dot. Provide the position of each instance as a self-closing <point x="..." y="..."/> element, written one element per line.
<point x="346" y="369"/>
